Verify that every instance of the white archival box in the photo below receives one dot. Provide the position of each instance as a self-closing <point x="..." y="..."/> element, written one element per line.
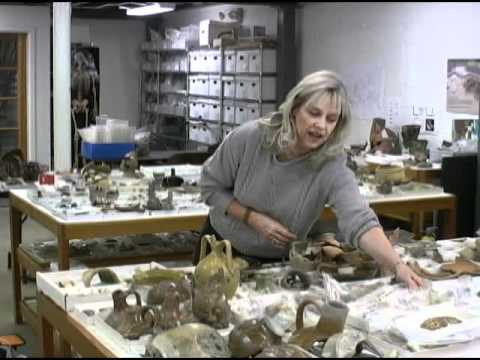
<point x="214" y="87"/>
<point x="228" y="86"/>
<point x="229" y="60"/>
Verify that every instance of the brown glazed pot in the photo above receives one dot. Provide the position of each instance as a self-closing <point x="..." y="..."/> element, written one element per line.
<point x="332" y="320"/>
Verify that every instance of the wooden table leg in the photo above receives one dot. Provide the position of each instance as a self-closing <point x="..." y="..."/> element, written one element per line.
<point x="46" y="337"/>
<point x="450" y="228"/>
<point x="15" y="241"/>
<point x="63" y="264"/>
<point x="63" y="252"/>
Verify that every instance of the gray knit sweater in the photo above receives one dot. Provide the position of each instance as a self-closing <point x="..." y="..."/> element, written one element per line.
<point x="291" y="192"/>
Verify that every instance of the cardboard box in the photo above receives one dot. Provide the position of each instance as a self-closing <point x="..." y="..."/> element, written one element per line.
<point x="210" y="30"/>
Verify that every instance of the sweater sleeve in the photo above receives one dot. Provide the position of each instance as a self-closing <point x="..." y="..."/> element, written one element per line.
<point x="354" y="215"/>
<point x="219" y="171"/>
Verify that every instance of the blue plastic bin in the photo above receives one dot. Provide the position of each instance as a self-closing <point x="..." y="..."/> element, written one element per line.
<point x="106" y="151"/>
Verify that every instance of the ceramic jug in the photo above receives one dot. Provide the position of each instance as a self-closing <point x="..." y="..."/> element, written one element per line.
<point x="250" y="337"/>
<point x="332" y="321"/>
<point x="131" y="321"/>
<point x="219" y="258"/>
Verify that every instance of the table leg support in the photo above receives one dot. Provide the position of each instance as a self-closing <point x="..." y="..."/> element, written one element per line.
<point x="450" y="229"/>
<point x="15" y="241"/>
<point x="63" y="264"/>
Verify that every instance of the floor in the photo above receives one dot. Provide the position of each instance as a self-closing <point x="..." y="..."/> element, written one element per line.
<point x="31" y="231"/>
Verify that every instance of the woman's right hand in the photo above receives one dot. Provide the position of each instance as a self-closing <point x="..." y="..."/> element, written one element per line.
<point x="271" y="229"/>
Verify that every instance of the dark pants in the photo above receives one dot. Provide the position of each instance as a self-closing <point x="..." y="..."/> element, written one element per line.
<point x="208" y="229"/>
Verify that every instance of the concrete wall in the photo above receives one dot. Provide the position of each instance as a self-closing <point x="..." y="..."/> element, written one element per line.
<point x="409" y="42"/>
<point x="35" y="21"/>
<point x="119" y="42"/>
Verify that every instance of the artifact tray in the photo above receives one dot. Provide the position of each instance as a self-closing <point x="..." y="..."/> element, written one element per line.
<point x="75" y="292"/>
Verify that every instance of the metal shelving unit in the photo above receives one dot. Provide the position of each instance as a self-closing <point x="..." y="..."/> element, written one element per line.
<point x="152" y="95"/>
<point x="167" y="135"/>
<point x="221" y="98"/>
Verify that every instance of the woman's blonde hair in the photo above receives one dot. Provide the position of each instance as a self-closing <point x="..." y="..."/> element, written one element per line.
<point x="280" y="125"/>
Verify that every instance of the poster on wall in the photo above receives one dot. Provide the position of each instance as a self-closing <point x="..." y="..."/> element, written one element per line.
<point x="459" y="100"/>
<point x="366" y="86"/>
<point x="464" y="129"/>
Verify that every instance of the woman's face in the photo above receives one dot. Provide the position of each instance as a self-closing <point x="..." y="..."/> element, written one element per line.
<point x="314" y="123"/>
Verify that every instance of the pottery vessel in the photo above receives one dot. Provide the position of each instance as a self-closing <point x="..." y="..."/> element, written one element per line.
<point x="155" y="275"/>
<point x="106" y="275"/>
<point x="409" y="133"/>
<point x="385" y="187"/>
<point x="250" y="337"/>
<point x="332" y="321"/>
<point x="295" y="280"/>
<point x="156" y="295"/>
<point x="170" y="314"/>
<point x="209" y="302"/>
<point x="131" y="321"/>
<point x="219" y="258"/>
<point x="284" y="351"/>
<point x="31" y="171"/>
<point x="395" y="174"/>
<point x="298" y="258"/>
<point x="190" y="340"/>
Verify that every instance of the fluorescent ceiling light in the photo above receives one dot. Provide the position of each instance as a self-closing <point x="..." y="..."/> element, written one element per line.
<point x="154" y="8"/>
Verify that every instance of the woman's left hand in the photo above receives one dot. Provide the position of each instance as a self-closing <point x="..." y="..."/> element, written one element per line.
<point x="405" y="274"/>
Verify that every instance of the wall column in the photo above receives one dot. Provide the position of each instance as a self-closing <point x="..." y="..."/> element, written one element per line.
<point x="61" y="86"/>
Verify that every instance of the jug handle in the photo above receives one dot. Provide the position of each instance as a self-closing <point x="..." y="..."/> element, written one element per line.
<point x="206" y="239"/>
<point x="300" y="311"/>
<point x="137" y="296"/>
<point x="228" y="250"/>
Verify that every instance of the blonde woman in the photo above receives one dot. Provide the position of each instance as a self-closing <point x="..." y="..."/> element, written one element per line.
<point x="269" y="180"/>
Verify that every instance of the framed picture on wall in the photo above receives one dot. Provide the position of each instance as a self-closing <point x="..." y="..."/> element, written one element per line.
<point x="464" y="128"/>
<point x="459" y="100"/>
